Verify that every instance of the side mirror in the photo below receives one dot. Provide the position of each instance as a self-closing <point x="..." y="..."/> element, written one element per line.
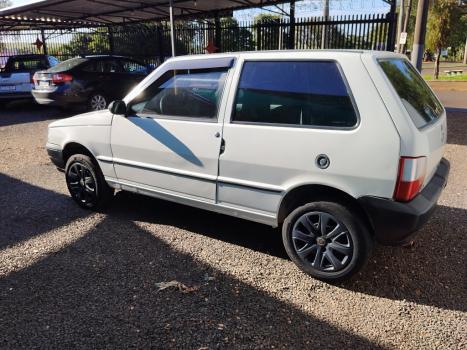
<point x="118" y="107"/>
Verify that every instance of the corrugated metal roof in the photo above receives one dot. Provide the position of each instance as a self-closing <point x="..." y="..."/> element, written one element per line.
<point x="66" y="13"/>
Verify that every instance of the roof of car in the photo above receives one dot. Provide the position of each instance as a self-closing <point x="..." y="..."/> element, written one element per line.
<point x="290" y="54"/>
<point x="104" y="56"/>
<point x="29" y="56"/>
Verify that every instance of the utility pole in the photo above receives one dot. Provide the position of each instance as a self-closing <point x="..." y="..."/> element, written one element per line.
<point x="406" y="22"/>
<point x="420" y="32"/>
<point x="400" y="24"/>
<point x="325" y="27"/>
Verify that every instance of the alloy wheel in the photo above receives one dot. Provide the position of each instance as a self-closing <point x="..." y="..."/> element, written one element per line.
<point x="98" y="102"/>
<point x="82" y="184"/>
<point x="322" y="242"/>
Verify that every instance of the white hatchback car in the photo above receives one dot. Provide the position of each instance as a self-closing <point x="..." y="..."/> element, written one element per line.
<point x="337" y="147"/>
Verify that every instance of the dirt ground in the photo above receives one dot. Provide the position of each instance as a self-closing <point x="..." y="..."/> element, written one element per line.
<point x="70" y="278"/>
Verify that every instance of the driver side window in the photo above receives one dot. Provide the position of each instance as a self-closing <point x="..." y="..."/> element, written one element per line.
<point x="183" y="93"/>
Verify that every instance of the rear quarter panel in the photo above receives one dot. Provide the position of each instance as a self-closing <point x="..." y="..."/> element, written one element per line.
<point x="428" y="141"/>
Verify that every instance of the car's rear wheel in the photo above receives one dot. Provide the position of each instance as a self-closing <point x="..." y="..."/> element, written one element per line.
<point x="327" y="240"/>
<point x="86" y="183"/>
<point x="98" y="101"/>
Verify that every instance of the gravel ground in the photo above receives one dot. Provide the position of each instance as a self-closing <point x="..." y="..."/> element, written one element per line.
<point x="70" y="278"/>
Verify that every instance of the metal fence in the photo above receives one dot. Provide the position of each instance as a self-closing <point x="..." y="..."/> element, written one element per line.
<point x="151" y="42"/>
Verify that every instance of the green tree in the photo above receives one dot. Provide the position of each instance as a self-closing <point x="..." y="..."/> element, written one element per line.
<point x="5" y="3"/>
<point x="443" y="26"/>
<point x="234" y="37"/>
<point x="268" y="35"/>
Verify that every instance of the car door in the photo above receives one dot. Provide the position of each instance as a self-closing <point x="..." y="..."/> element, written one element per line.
<point x="171" y="138"/>
<point x="292" y="123"/>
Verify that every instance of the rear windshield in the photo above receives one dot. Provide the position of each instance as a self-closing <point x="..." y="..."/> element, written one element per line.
<point x="419" y="101"/>
<point x="67" y="65"/>
<point x="25" y="64"/>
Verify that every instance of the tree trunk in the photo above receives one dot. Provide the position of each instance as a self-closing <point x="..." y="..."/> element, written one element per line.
<point x="465" y="51"/>
<point x="438" y="55"/>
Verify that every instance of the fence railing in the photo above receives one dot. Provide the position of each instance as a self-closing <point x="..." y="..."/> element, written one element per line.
<point x="151" y="42"/>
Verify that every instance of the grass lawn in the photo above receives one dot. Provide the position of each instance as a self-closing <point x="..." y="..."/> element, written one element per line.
<point x="462" y="77"/>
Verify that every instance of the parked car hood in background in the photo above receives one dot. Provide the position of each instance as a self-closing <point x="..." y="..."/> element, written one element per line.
<point x="99" y="118"/>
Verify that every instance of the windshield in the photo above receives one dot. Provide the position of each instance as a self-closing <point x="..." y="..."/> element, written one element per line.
<point x="419" y="101"/>
<point x="67" y="65"/>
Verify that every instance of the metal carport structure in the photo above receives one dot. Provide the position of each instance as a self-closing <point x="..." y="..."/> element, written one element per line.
<point x="81" y="13"/>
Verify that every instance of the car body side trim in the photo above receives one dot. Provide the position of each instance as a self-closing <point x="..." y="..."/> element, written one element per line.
<point x="248" y="214"/>
<point x="221" y="179"/>
<point x="157" y="168"/>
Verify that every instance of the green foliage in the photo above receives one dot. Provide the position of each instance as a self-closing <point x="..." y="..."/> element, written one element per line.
<point x="266" y="17"/>
<point x="444" y="24"/>
<point x="234" y="38"/>
<point x="5" y="3"/>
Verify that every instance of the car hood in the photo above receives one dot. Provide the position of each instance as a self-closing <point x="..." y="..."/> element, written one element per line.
<point x="98" y="118"/>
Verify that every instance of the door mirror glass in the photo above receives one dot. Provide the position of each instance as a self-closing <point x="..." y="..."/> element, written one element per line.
<point x="118" y="107"/>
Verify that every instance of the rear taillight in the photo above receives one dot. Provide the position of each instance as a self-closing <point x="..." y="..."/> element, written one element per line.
<point x="60" y="78"/>
<point x="34" y="78"/>
<point x="412" y="171"/>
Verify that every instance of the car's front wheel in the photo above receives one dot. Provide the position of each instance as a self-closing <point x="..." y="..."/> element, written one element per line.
<point x="86" y="183"/>
<point x="327" y="240"/>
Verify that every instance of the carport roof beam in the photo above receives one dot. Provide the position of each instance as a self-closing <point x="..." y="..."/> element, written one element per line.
<point x="82" y="13"/>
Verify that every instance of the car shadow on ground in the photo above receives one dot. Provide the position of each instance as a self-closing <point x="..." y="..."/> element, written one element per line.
<point x="432" y="272"/>
<point x="34" y="211"/>
<point x="101" y="291"/>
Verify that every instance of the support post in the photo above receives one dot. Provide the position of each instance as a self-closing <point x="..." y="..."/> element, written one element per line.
<point x="217" y="35"/>
<point x="160" y="42"/>
<point x="325" y="26"/>
<point x="111" y="40"/>
<point x="44" y="42"/>
<point x="390" y="45"/>
<point x="420" y="32"/>
<point x="292" y="25"/>
<point x="172" y="28"/>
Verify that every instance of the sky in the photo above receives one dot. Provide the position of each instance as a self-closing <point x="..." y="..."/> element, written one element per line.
<point x="306" y="8"/>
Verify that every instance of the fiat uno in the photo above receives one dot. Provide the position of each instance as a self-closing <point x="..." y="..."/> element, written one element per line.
<point x="338" y="148"/>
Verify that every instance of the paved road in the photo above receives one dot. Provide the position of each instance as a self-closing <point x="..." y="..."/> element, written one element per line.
<point x="70" y="278"/>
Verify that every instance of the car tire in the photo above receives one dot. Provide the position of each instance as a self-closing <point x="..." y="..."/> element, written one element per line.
<point x="98" y="101"/>
<point x="327" y="240"/>
<point x="86" y="183"/>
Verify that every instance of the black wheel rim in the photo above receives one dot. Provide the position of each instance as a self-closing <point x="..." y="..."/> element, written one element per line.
<point x="82" y="184"/>
<point x="322" y="242"/>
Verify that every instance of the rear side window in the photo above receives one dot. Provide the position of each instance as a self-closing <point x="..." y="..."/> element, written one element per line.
<point x="67" y="65"/>
<point x="301" y="93"/>
<point x="133" y="67"/>
<point x="419" y="101"/>
<point x="183" y="93"/>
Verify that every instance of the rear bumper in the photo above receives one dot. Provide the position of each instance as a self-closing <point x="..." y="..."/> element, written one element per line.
<point x="62" y="97"/>
<point x="395" y="223"/>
